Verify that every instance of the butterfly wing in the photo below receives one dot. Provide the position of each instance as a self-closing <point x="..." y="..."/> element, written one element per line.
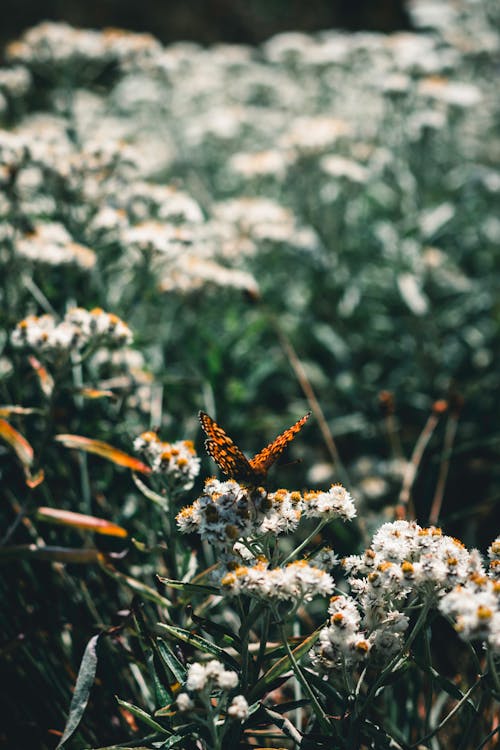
<point x="226" y="454"/>
<point x="262" y="462"/>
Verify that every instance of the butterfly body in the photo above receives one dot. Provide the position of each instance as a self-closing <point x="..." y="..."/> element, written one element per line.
<point x="233" y="462"/>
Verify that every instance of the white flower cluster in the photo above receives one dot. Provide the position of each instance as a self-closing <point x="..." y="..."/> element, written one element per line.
<point x="203" y="679"/>
<point x="81" y="52"/>
<point x="223" y="513"/>
<point x="52" y="244"/>
<point x="405" y="557"/>
<point x="408" y="564"/>
<point x="475" y="609"/>
<point x="335" y="503"/>
<point x="296" y="582"/>
<point x="344" y="642"/>
<point x="177" y="461"/>
<point x="494" y="555"/>
<point x="474" y="606"/>
<point x="79" y="328"/>
<point x="227" y="511"/>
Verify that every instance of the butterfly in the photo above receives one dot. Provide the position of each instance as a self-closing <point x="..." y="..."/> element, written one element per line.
<point x="231" y="460"/>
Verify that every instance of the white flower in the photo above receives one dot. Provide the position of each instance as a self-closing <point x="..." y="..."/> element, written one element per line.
<point x="238" y="708"/>
<point x="294" y="583"/>
<point x="177" y="461"/>
<point x="336" y="503"/>
<point x="184" y="702"/>
<point x="475" y="609"/>
<point x="211" y="674"/>
<point x="78" y="329"/>
<point x="196" y="677"/>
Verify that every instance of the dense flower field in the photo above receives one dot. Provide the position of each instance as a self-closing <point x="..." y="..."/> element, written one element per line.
<point x="252" y="234"/>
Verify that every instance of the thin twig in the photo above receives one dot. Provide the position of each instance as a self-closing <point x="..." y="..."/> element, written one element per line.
<point x="406" y="508"/>
<point x="449" y="439"/>
<point x="313" y="402"/>
<point x="386" y="399"/>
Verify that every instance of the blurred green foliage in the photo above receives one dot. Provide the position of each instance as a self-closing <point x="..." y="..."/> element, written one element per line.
<point x="393" y="287"/>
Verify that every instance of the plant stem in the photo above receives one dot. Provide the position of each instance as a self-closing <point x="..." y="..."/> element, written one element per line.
<point x="318" y="710"/>
<point x="303" y="544"/>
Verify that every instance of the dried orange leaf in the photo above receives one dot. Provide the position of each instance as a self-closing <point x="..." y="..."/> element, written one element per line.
<point x="23" y="449"/>
<point x="33" y="480"/>
<point x="96" y="393"/>
<point x="6" y="411"/>
<point x="80" y="521"/>
<point x="104" y="450"/>
<point x="44" y="377"/>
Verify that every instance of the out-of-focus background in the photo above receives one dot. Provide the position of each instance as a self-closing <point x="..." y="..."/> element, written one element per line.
<point x="272" y="214"/>
<point x="207" y="21"/>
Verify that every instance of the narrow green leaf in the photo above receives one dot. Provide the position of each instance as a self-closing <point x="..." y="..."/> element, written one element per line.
<point x="142" y="716"/>
<point x="190" y="588"/>
<point x="170" y="661"/>
<point x="221" y="633"/>
<point x="285" y="725"/>
<point x="153" y="660"/>
<point x="144" y="743"/>
<point x="84" y="682"/>
<point x="132" y="583"/>
<point x="157" y="499"/>
<point x="325" y="687"/>
<point x="175" y="739"/>
<point x="200" y="643"/>
<point x="448" y="686"/>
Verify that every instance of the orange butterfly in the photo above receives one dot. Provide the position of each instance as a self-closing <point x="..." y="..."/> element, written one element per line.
<point x="231" y="459"/>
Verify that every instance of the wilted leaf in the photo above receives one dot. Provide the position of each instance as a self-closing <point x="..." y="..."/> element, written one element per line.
<point x="50" y="554"/>
<point x="44" y="377"/>
<point x="94" y="393"/>
<point x="23" y="451"/>
<point x="80" y="521"/>
<point x="22" y="448"/>
<point x="84" y="682"/>
<point x="6" y="411"/>
<point x="104" y="450"/>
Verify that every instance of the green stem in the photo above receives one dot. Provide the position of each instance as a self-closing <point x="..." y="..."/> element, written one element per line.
<point x="244" y="634"/>
<point x="492" y="671"/>
<point x="380" y="681"/>
<point x="303" y="544"/>
<point x="263" y="642"/>
<point x="316" y="706"/>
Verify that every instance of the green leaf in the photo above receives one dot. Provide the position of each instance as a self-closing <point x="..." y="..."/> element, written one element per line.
<point x="153" y="660"/>
<point x="137" y="586"/>
<point x="200" y="643"/>
<point x="188" y="731"/>
<point x="219" y="631"/>
<point x="448" y="686"/>
<point x="324" y="687"/>
<point x="84" y="682"/>
<point x="143" y="716"/>
<point x="190" y="588"/>
<point x="157" y="499"/>
<point x="284" y="724"/>
<point x="170" y="661"/>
